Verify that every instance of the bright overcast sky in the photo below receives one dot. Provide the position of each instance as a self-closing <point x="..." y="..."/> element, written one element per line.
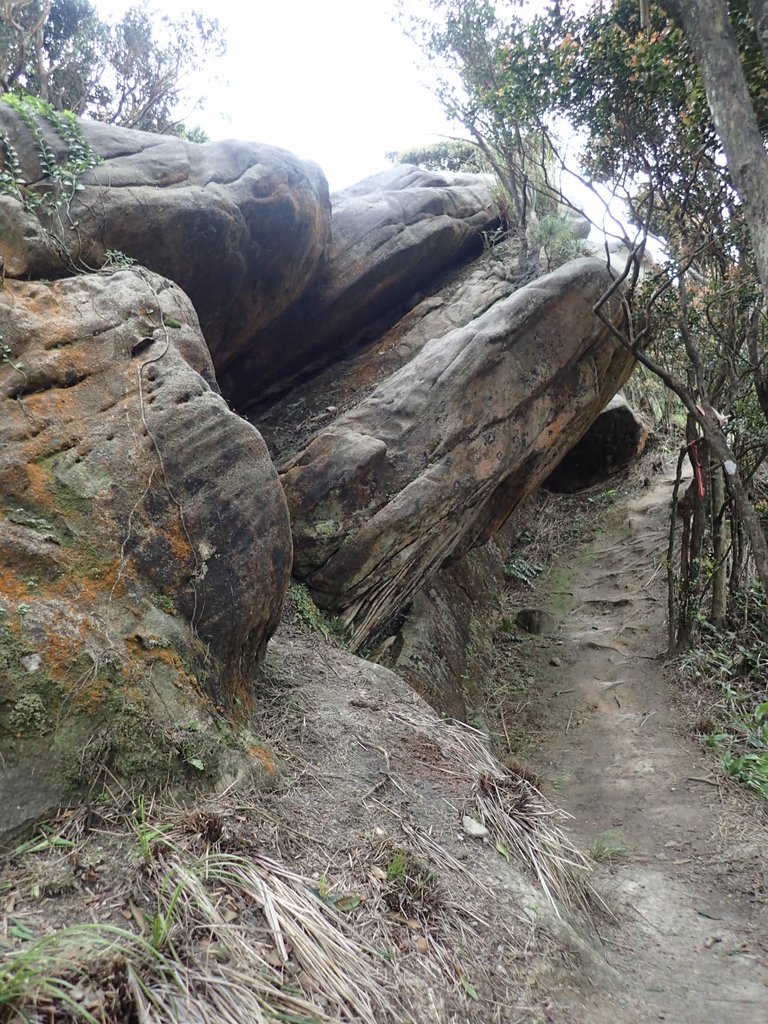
<point x="335" y="81"/>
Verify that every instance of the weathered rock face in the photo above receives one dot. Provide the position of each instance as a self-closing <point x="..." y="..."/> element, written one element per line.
<point x="144" y="535"/>
<point x="436" y="458"/>
<point x="392" y="235"/>
<point x="445" y="643"/>
<point x="289" y="424"/>
<point x="145" y="547"/>
<point x="243" y="228"/>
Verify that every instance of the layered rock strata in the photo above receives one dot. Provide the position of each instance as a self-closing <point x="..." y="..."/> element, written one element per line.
<point x="435" y="459"/>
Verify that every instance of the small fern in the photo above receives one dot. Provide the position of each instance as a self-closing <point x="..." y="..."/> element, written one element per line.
<point x="518" y="568"/>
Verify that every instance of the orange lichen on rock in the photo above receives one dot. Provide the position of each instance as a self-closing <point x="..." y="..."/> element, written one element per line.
<point x="36" y="489"/>
<point x="265" y="757"/>
<point x="14" y="591"/>
<point x="176" y="537"/>
<point x="118" y="514"/>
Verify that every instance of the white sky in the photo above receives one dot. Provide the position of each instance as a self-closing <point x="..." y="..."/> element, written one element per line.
<point x="334" y="81"/>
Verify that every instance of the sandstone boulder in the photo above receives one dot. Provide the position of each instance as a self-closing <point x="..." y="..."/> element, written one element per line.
<point x="243" y="228"/>
<point x="393" y="234"/>
<point x="435" y="459"/>
<point x="145" y="547"/>
<point x="290" y="422"/>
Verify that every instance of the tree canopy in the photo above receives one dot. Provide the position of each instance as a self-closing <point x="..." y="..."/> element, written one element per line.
<point x="446" y="155"/>
<point x="133" y="72"/>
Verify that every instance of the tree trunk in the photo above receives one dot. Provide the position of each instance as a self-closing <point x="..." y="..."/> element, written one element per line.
<point x="719" y="548"/>
<point x="682" y="628"/>
<point x="722" y="453"/>
<point x="711" y="37"/>
<point x="694" y="525"/>
<point x="672" y="578"/>
<point x="709" y="33"/>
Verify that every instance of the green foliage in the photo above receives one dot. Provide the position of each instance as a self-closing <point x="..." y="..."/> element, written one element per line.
<point x="734" y="665"/>
<point x="60" y="184"/>
<point x="397" y="866"/>
<point x="131" y="72"/>
<point x="608" y="846"/>
<point x="115" y="259"/>
<point x="11" y="174"/>
<point x="520" y="569"/>
<point x="149" y="835"/>
<point x="743" y="747"/>
<point x="308" y="612"/>
<point x="447" y="155"/>
<point x="638" y="98"/>
<point x="638" y="90"/>
<point x="493" y="82"/>
<point x="554" y="235"/>
<point x="411" y="887"/>
<point x="162" y="922"/>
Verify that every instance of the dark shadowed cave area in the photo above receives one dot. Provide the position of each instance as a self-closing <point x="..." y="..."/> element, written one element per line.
<point x="617" y="436"/>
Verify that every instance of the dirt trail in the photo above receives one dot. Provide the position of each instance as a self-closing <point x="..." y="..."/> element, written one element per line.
<point x="691" y="939"/>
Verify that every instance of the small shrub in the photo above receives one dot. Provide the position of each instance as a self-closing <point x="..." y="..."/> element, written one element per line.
<point x="308" y="612"/>
<point x="555" y="237"/>
<point x="520" y="569"/>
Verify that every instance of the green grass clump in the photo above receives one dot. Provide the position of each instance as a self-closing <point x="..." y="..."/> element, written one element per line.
<point x="730" y="671"/>
<point x="608" y="847"/>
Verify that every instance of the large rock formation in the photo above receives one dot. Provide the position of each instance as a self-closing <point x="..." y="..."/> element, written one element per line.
<point x="144" y="534"/>
<point x="144" y="538"/>
<point x="243" y="228"/>
<point x="436" y="458"/>
<point x="289" y="423"/>
<point x="393" y="234"/>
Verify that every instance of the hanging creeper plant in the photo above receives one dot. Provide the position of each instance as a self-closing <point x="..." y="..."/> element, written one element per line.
<point x="58" y="188"/>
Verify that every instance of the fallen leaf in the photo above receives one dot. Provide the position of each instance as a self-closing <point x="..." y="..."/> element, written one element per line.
<point x="138" y="917"/>
<point x="347" y="903"/>
<point x="469" y="988"/>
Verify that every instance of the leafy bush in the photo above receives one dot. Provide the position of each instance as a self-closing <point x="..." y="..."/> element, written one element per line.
<point x="554" y="235"/>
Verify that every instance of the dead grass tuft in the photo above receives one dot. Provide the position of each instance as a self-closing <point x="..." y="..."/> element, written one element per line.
<point x="215" y="937"/>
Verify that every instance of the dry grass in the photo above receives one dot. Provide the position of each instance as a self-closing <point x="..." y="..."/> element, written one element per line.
<point x="521" y="822"/>
<point x="212" y="930"/>
<point x="216" y="937"/>
<point x="198" y="917"/>
<point x="524" y="823"/>
<point x="561" y="520"/>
